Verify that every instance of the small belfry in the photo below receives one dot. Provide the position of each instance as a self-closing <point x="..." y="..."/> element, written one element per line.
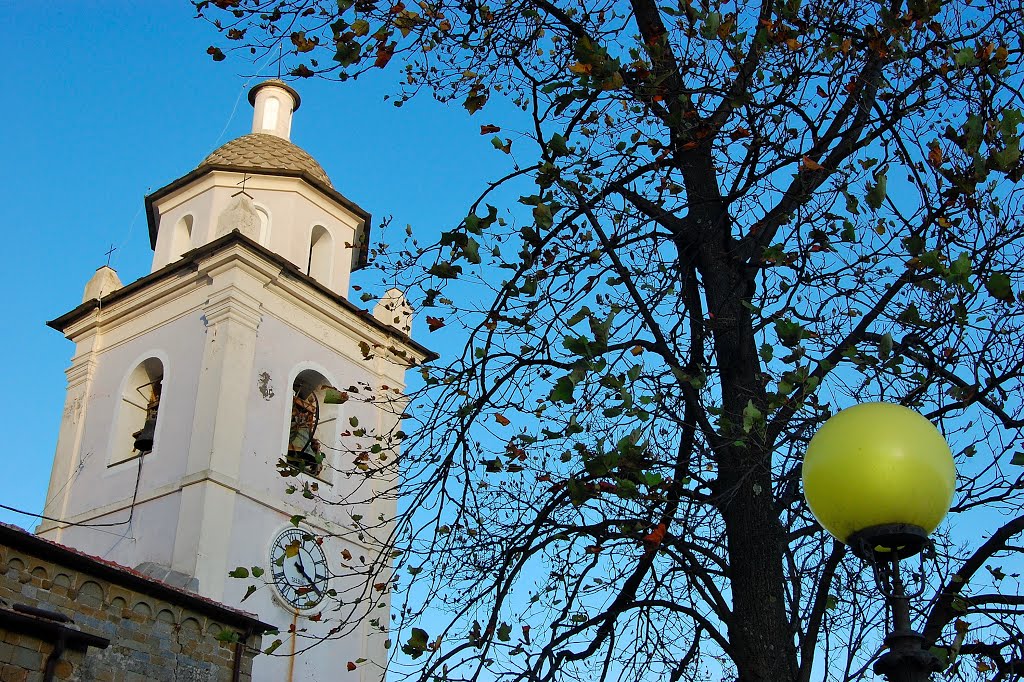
<point x="211" y="405"/>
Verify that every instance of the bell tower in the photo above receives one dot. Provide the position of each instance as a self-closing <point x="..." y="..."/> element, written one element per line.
<point x="221" y="411"/>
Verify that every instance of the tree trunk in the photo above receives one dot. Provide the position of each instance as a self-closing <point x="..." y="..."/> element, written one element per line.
<point x="761" y="640"/>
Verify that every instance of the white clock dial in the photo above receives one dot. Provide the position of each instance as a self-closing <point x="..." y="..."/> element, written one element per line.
<point x="299" y="568"/>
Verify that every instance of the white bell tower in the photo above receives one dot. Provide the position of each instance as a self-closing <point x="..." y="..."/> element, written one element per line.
<point x="235" y="393"/>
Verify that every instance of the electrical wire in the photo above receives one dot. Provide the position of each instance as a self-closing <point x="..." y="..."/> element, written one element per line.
<point x="74" y="474"/>
<point x="67" y="523"/>
<point x="131" y="509"/>
<point x="227" y="124"/>
<point x="238" y="99"/>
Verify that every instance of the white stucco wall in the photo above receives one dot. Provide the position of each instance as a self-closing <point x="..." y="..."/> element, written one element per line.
<point x="210" y="497"/>
<point x="293" y="207"/>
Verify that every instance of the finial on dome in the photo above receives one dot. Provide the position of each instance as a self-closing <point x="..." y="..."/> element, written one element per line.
<point x="273" y="103"/>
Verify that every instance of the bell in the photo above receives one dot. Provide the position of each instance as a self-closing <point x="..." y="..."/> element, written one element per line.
<point x="302" y="449"/>
<point x="301" y="441"/>
<point x="144" y="436"/>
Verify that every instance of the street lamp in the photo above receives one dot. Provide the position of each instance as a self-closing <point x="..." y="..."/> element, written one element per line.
<point x="880" y="478"/>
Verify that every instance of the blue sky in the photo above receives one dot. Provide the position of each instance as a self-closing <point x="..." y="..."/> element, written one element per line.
<point x="109" y="100"/>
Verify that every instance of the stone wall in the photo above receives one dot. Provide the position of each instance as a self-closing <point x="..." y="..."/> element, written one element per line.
<point x="155" y="632"/>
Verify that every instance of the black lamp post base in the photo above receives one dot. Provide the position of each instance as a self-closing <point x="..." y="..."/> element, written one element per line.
<point x="907" y="660"/>
<point x="883" y="547"/>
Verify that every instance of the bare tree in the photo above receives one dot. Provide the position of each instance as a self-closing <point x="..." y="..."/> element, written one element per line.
<point x="739" y="218"/>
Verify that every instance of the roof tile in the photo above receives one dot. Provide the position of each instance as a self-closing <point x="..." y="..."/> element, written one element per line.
<point x="260" y="150"/>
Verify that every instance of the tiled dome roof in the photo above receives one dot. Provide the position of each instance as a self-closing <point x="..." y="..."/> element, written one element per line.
<point x="260" y="150"/>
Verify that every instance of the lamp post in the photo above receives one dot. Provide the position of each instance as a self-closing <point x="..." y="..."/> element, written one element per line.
<point x="880" y="478"/>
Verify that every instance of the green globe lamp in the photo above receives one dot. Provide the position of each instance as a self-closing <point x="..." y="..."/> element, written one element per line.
<point x="880" y="478"/>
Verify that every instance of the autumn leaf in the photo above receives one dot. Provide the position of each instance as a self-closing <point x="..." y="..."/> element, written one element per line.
<point x="505" y="146"/>
<point x="216" y="53"/>
<point x="417" y="644"/>
<point x="346" y="555"/>
<point x="1001" y="56"/>
<point x="581" y="69"/>
<point x="998" y="285"/>
<point x="445" y="270"/>
<point x="476" y="99"/>
<point x="809" y="164"/>
<point x="489" y="129"/>
<point x="302" y="43"/>
<point x="434" y="323"/>
<point x="656" y="536"/>
<point x="934" y="154"/>
<point x="727" y="26"/>
<point x="558" y="146"/>
<point x="350" y="665"/>
<point x="613" y="82"/>
<point x="380" y="587"/>
<point x="877" y="190"/>
<point x="333" y="396"/>
<point x="502" y="419"/>
<point x="384" y="55"/>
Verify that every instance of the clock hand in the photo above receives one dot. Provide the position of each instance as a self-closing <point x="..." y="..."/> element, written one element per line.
<point x="302" y="572"/>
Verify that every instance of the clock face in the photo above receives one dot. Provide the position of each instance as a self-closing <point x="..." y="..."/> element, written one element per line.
<point x="299" y="568"/>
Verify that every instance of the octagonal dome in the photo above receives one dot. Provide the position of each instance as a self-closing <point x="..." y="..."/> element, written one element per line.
<point x="266" y="152"/>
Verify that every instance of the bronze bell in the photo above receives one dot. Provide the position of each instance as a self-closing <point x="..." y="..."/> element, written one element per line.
<point x="303" y="450"/>
<point x="144" y="436"/>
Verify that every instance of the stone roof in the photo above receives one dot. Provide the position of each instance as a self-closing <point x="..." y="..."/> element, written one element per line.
<point x="21" y="540"/>
<point x="270" y="152"/>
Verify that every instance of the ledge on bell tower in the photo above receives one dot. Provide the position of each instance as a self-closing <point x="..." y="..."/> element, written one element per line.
<point x="390" y="327"/>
